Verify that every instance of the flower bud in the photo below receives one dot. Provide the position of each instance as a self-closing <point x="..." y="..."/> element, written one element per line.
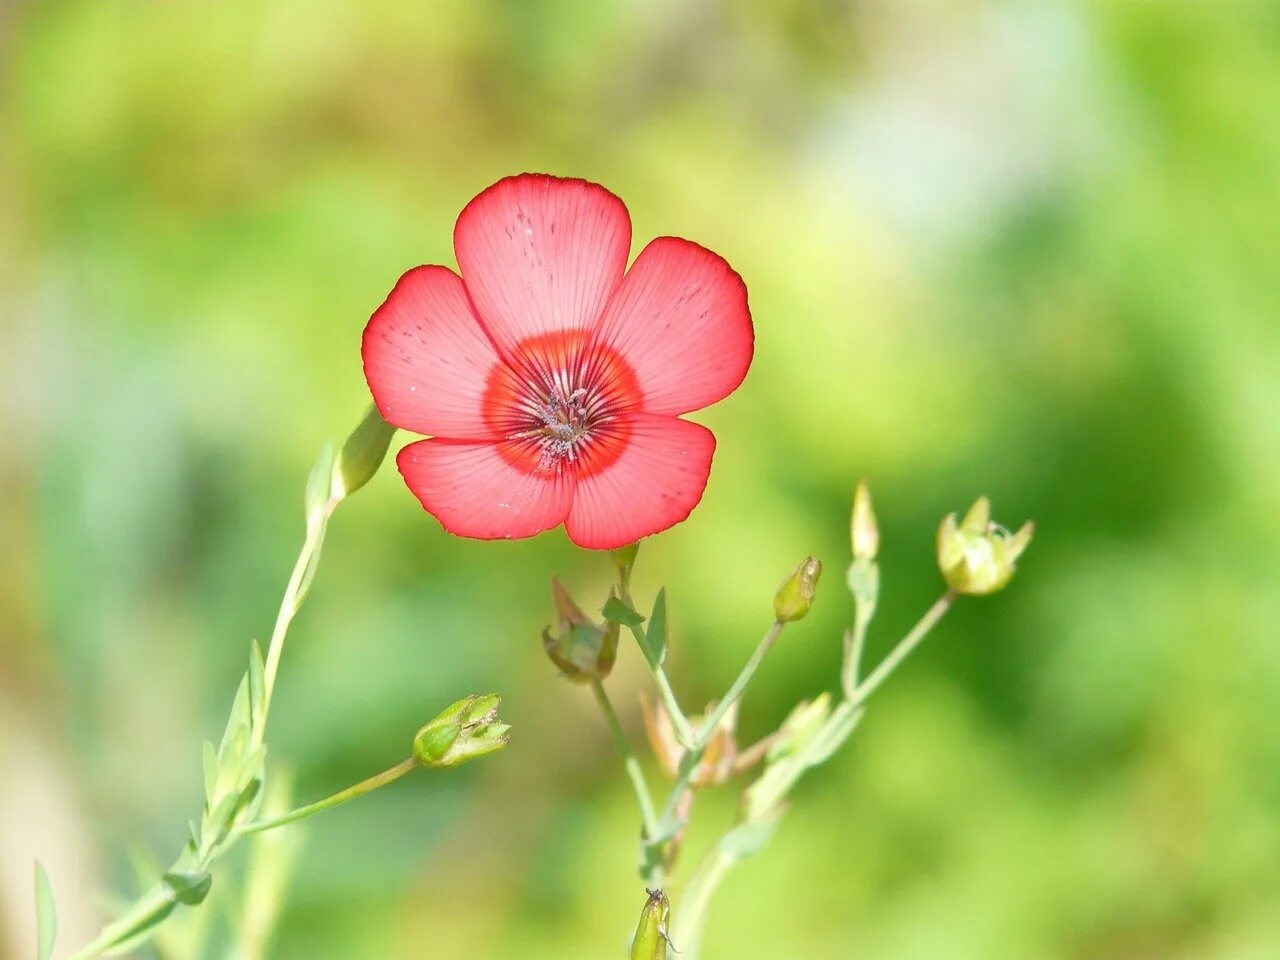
<point x="362" y="454"/>
<point x="584" y="651"/>
<point x="976" y="556"/>
<point x="863" y="529"/>
<point x="795" y="595"/>
<point x="468" y="729"/>
<point x="719" y="759"/>
<point x="651" y="941"/>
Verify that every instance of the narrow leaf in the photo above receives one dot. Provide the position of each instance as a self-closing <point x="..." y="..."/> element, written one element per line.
<point x="127" y="936"/>
<point x="654" y="645"/>
<point x="46" y="915"/>
<point x="256" y="685"/>
<point x="239" y="717"/>
<point x="618" y="611"/>
<point x="210" y="771"/>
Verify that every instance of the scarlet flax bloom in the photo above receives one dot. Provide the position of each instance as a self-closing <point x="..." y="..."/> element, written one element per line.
<point x="551" y="378"/>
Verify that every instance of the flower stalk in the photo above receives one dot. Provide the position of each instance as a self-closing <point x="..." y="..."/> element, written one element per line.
<point x="814" y="731"/>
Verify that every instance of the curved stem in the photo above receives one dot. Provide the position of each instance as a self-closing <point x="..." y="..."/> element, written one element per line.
<point x="155" y="902"/>
<point x="899" y="653"/>
<point x="289" y="605"/>
<point x="690" y="918"/>
<point x="689" y="764"/>
<point x="629" y="760"/>
<point x="683" y="729"/>
<point x="341" y="797"/>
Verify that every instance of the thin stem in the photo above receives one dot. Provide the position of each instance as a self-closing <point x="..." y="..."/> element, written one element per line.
<point x="740" y="684"/>
<point x="289" y="607"/>
<point x="899" y="653"/>
<point x="689" y="763"/>
<point x="690" y="918"/>
<point x="358" y="790"/>
<point x="683" y="729"/>
<point x="855" y="644"/>
<point x="629" y="760"/>
<point x="155" y="902"/>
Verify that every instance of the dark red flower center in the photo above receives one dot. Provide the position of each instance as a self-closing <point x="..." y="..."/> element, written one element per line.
<point x="562" y="402"/>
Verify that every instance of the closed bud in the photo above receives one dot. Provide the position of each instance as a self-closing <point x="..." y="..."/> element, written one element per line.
<point x="863" y="529"/>
<point x="362" y="454"/>
<point x="977" y="557"/>
<point x="651" y="941"/>
<point x="584" y="651"/>
<point x="795" y="595"/>
<point x="468" y="729"/>
<point x="719" y="759"/>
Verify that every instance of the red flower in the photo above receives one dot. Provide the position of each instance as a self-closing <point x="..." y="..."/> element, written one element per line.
<point x="550" y="383"/>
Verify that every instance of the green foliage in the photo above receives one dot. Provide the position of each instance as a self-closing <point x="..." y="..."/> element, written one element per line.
<point x="1040" y="265"/>
<point x="654" y="643"/>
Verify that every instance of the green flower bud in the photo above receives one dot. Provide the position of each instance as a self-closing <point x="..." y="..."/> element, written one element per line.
<point x="795" y="595"/>
<point x="651" y="941"/>
<point x="863" y="529"/>
<point x="362" y="454"/>
<point x="976" y="556"/>
<point x="468" y="729"/>
<point x="584" y="651"/>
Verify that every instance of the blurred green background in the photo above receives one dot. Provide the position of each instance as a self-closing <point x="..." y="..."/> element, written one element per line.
<point x="1030" y="249"/>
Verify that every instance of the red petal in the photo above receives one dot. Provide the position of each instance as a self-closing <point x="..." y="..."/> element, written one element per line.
<point x="427" y="358"/>
<point x="680" y="319"/>
<point x="479" y="490"/>
<point x="655" y="482"/>
<point x="541" y="255"/>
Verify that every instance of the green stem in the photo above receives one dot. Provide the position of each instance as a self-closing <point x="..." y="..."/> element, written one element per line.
<point x="689" y="763"/>
<point x="311" y="809"/>
<point x="683" y="729"/>
<point x="155" y="902"/>
<point x="739" y="685"/>
<point x="629" y="760"/>
<point x="899" y="653"/>
<point x="289" y="605"/>
<point x="690" y="918"/>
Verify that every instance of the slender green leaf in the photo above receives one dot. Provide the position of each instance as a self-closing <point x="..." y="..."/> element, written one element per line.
<point x="189" y="888"/>
<point x="46" y="915"/>
<point x="210" y="771"/>
<point x="139" y="924"/>
<point x="654" y="645"/>
<point x="257" y="694"/>
<point x="231" y="763"/>
<point x="618" y="611"/>
<point x="239" y="717"/>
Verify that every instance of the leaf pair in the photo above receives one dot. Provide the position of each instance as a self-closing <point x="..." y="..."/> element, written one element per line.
<point x="653" y="641"/>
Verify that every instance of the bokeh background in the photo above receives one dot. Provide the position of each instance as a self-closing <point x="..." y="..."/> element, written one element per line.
<point x="1030" y="249"/>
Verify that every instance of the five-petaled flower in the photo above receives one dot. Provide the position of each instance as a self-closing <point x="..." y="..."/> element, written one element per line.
<point x="551" y="378"/>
